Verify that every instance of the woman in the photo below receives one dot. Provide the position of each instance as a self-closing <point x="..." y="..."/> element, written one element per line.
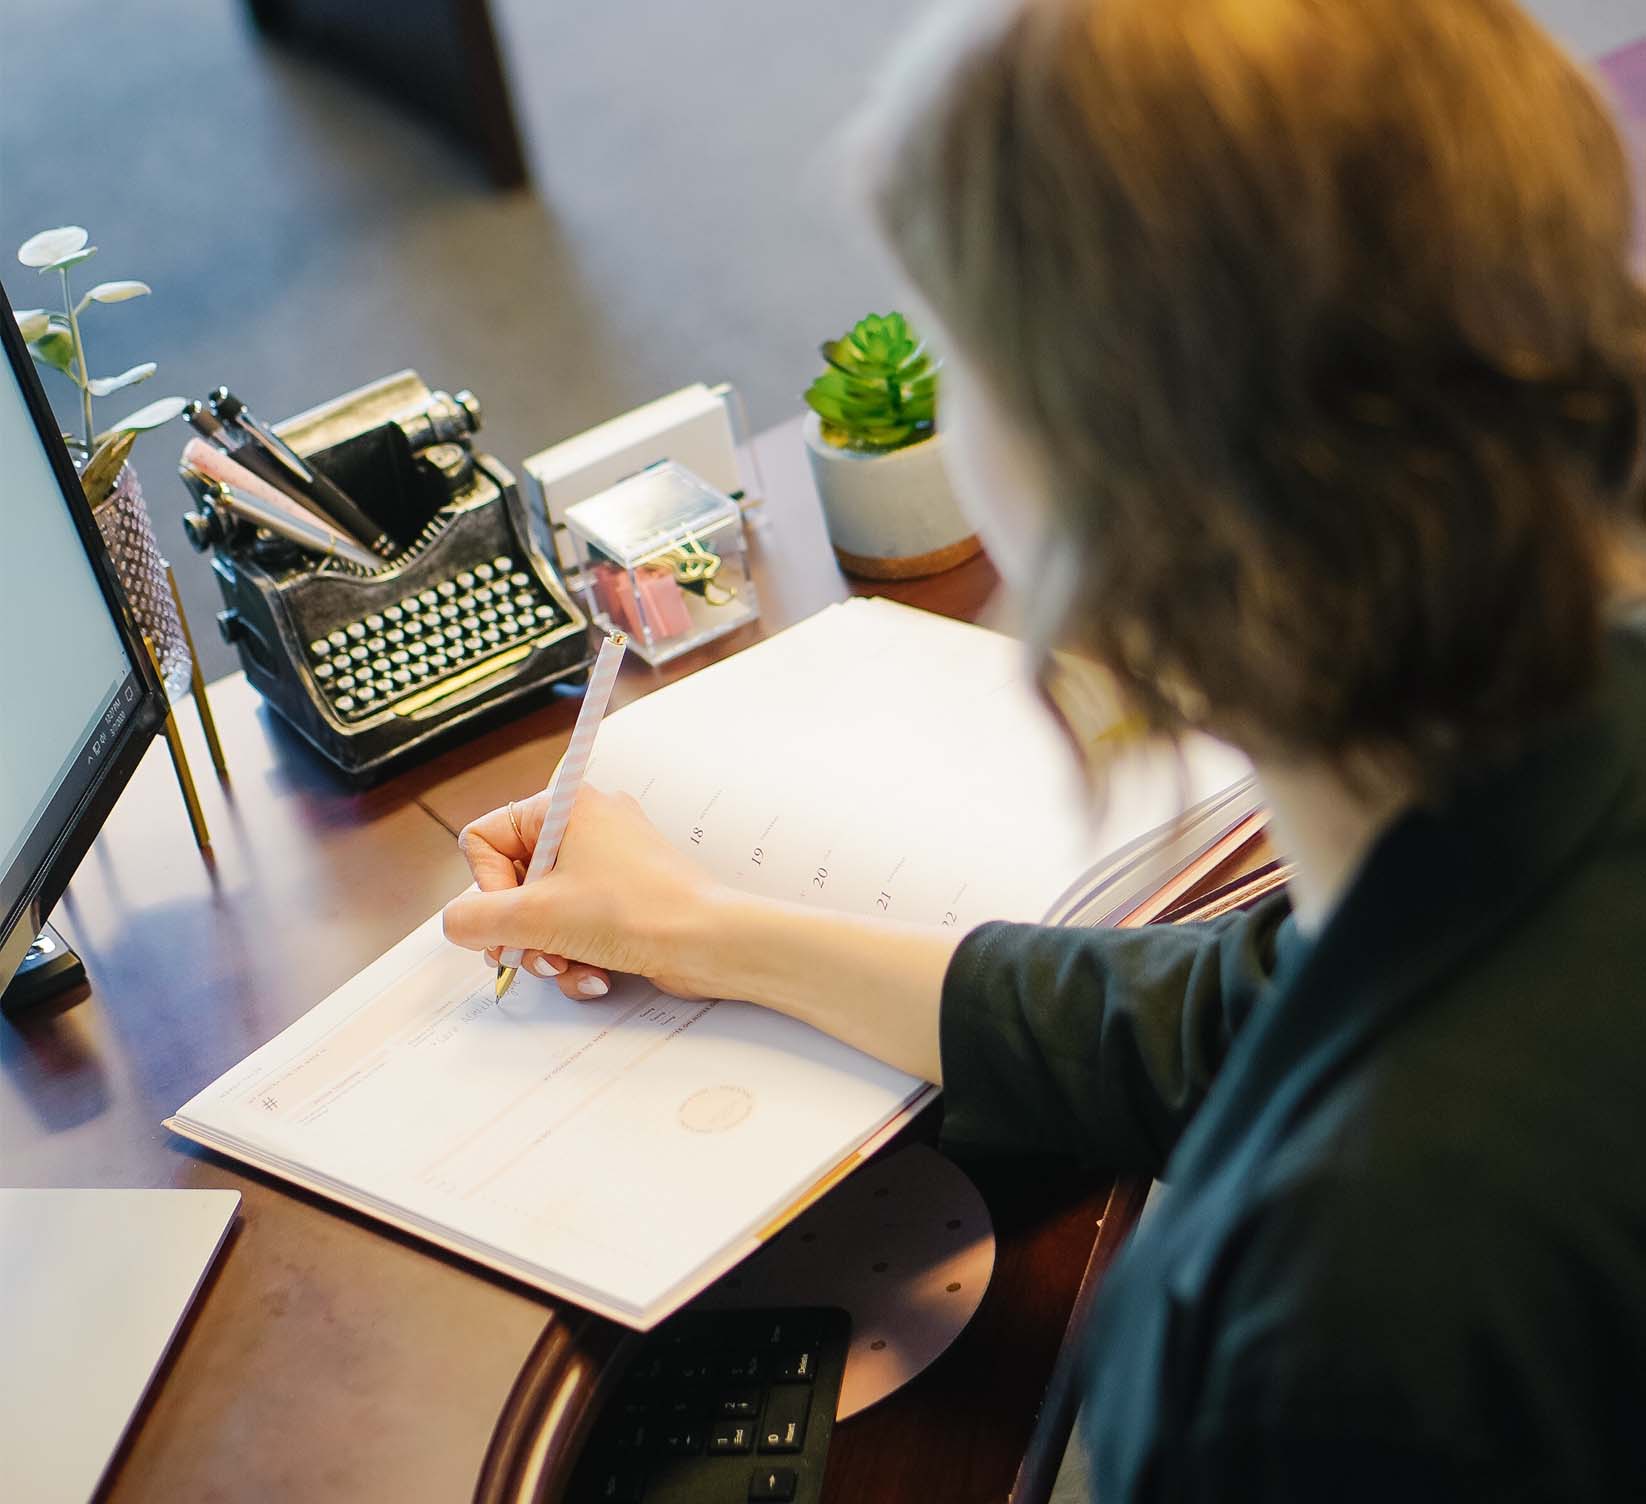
<point x="1300" y="383"/>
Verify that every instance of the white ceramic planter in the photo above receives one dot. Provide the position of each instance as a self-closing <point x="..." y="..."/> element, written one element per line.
<point x="890" y="516"/>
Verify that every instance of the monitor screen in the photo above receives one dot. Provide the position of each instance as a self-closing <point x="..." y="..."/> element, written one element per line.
<point x="68" y="683"/>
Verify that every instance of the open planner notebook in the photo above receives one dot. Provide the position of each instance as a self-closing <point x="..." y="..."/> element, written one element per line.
<point x="625" y="1153"/>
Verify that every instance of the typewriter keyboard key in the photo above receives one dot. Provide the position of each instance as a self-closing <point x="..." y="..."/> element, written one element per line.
<point x="345" y="703"/>
<point x="374" y="623"/>
<point x="393" y="614"/>
<point x="428" y="597"/>
<point x="483" y="572"/>
<point x="446" y="589"/>
<point x="485" y="593"/>
<point x="320" y="649"/>
<point x="519" y="578"/>
<point x="465" y="581"/>
<point x="381" y="665"/>
<point x="365" y="693"/>
<point x="420" y="670"/>
<point x="323" y="671"/>
<point x="470" y="623"/>
<point x="375" y="644"/>
<point x="345" y="682"/>
<point x="488" y="616"/>
<point x="356" y="630"/>
<point x="450" y="611"/>
<point x="502" y="564"/>
<point x="337" y="639"/>
<point x="399" y="657"/>
<point x="431" y="618"/>
<point x="401" y="676"/>
<point x="395" y="636"/>
<point x="417" y="649"/>
<point x="473" y="644"/>
<point x="358" y="653"/>
<point x="491" y="635"/>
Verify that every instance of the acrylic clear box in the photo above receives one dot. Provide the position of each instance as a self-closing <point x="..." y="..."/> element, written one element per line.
<point x="662" y="557"/>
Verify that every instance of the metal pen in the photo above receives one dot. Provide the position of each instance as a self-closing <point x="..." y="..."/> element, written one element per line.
<point x="312" y="535"/>
<point x="277" y="462"/>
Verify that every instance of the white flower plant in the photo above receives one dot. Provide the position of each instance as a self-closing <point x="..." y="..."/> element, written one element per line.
<point x="54" y="339"/>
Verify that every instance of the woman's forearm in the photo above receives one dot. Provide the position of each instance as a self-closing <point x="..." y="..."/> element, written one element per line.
<point x="876" y="985"/>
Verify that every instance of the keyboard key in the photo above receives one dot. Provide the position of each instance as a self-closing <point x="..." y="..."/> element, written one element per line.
<point x="337" y="639"/>
<point x="393" y="614"/>
<point x="465" y="580"/>
<point x="417" y="649"/>
<point x="356" y="630"/>
<point x="801" y="1366"/>
<point x="680" y="1441"/>
<point x="730" y="1436"/>
<point x="446" y="589"/>
<point x="345" y="703"/>
<point x="428" y="597"/>
<point x="784" y="1428"/>
<point x="358" y="653"/>
<point x="623" y="1485"/>
<point x="374" y="623"/>
<point x="412" y="605"/>
<point x="394" y="636"/>
<point x="420" y="670"/>
<point x="773" y="1485"/>
<point x="323" y="671"/>
<point x="744" y="1367"/>
<point x="519" y="578"/>
<point x="319" y="649"/>
<point x="345" y="682"/>
<point x="502" y="564"/>
<point x="740" y="1403"/>
<point x="376" y="644"/>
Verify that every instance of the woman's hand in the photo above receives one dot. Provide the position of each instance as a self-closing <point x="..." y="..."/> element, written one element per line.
<point x="619" y="898"/>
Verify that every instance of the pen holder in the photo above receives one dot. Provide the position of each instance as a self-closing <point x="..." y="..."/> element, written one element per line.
<point x="468" y="623"/>
<point x="661" y="556"/>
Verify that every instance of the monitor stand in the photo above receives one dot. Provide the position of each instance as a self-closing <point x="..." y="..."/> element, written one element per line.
<point x="49" y="968"/>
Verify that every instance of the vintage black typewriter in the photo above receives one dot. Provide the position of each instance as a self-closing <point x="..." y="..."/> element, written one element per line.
<point x="463" y="622"/>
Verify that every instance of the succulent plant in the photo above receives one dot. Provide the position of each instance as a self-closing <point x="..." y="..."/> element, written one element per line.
<point x="54" y="338"/>
<point x="880" y="389"/>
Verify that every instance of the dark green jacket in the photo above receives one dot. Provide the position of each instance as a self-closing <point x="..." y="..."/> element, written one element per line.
<point x="1403" y="1250"/>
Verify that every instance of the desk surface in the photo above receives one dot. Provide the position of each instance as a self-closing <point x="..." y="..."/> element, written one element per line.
<point x="330" y="1358"/>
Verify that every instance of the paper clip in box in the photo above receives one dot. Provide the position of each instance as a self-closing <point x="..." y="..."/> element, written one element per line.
<point x="662" y="556"/>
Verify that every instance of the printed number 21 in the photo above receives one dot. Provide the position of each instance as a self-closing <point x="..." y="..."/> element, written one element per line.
<point x="884" y="901"/>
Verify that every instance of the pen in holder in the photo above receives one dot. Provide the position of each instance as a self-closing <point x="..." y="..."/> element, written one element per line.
<point x="661" y="557"/>
<point x="378" y="574"/>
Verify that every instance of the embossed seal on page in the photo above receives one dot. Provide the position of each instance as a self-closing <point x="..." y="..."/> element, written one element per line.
<point x="716" y="1109"/>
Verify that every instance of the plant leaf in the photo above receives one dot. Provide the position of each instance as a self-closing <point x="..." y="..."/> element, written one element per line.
<point x="49" y="247"/>
<point x="32" y="323"/>
<point x="161" y="410"/>
<point x="63" y="263"/>
<point x="98" y="475"/>
<point x="101" y="386"/>
<point x="113" y="292"/>
<point x="56" y="348"/>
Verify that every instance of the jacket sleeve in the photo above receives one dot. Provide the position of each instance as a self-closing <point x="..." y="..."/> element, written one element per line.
<point x="1096" y="1043"/>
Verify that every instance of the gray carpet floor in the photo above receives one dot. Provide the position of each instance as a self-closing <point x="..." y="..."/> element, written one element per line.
<point x="689" y="218"/>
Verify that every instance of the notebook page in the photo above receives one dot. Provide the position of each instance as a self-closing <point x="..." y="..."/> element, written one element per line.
<point x="884" y="760"/>
<point x="607" y="1150"/>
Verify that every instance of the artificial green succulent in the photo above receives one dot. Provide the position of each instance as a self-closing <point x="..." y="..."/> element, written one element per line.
<point x="880" y="389"/>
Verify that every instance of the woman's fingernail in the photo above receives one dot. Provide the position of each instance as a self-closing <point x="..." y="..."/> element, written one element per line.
<point x="542" y="966"/>
<point x="593" y="987"/>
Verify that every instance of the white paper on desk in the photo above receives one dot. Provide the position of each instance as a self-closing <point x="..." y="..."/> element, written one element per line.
<point x="874" y="759"/>
<point x="617" y="1153"/>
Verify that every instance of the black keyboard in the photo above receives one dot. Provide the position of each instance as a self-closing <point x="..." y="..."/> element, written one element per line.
<point x="476" y="623"/>
<point x="721" y="1407"/>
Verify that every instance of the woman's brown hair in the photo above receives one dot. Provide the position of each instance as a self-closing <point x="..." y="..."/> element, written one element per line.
<point x="1320" y="315"/>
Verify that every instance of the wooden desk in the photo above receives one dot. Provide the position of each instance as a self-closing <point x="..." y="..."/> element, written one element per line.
<point x="330" y="1358"/>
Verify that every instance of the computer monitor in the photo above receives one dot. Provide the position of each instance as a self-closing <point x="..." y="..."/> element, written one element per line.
<point x="79" y="699"/>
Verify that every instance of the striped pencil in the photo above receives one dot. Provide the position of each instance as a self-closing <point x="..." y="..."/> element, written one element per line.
<point x="568" y="779"/>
